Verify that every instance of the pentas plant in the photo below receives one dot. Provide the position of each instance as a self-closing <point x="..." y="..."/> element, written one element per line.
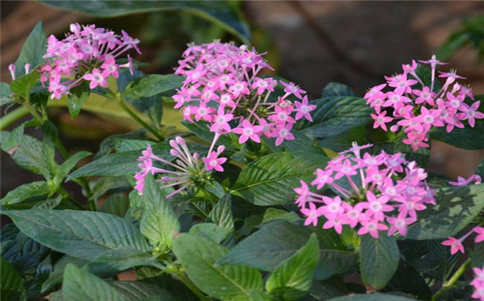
<point x="87" y="53"/>
<point x="383" y="192"/>
<point x="478" y="284"/>
<point x="188" y="172"/>
<point x="405" y="103"/>
<point x="225" y="88"/>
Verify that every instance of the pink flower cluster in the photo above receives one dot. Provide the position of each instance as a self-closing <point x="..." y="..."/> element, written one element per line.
<point x="223" y="86"/>
<point x="456" y="245"/>
<point x="86" y="54"/>
<point x="376" y="193"/>
<point x="189" y="170"/>
<point x="417" y="110"/>
<point x="478" y="284"/>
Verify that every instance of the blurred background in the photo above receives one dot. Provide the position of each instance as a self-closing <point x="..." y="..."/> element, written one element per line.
<point x="310" y="43"/>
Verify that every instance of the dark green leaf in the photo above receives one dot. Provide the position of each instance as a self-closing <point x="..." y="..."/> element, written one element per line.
<point x="456" y="208"/>
<point x="372" y="297"/>
<point x="199" y="256"/>
<point x="478" y="255"/>
<point x="76" y="98"/>
<point x="151" y="85"/>
<point x="159" y="223"/>
<point x="378" y="260"/>
<point x="210" y="231"/>
<point x="224" y="14"/>
<point x="202" y="131"/>
<point x="116" y="204"/>
<point x="293" y="278"/>
<point x="336" y="89"/>
<point x="138" y="290"/>
<point x="466" y="138"/>
<point x="81" y="285"/>
<point x="22" y="86"/>
<point x="11" y="284"/>
<point x="69" y="164"/>
<point x="119" y="164"/>
<point x="408" y="280"/>
<point x="335" y="115"/>
<point x="279" y="172"/>
<point x="273" y="214"/>
<point x="221" y="213"/>
<point x="33" y="51"/>
<point x="5" y="94"/>
<point x="78" y="233"/>
<point x="25" y="192"/>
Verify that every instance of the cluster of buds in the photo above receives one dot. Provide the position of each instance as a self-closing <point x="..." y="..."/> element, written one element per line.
<point x="187" y="171"/>
<point x="417" y="110"/>
<point x="375" y="193"/>
<point x="86" y="54"/>
<point x="223" y="87"/>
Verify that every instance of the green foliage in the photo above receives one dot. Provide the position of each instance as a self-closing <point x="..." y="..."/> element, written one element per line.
<point x="151" y="85"/>
<point x="32" y="52"/>
<point x="279" y="172"/>
<point x="227" y="281"/>
<point x="378" y="260"/>
<point x="471" y="32"/>
<point x="293" y="278"/>
<point x="12" y="285"/>
<point x="159" y="224"/>
<point x="224" y="14"/>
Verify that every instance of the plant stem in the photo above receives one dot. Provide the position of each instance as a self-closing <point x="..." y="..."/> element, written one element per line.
<point x="123" y="105"/>
<point x="8" y="119"/>
<point x="449" y="283"/>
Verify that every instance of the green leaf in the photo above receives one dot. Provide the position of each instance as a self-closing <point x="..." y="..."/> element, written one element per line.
<point x="102" y="185"/>
<point x="199" y="256"/>
<point x="76" y="98"/>
<point x="408" y="280"/>
<point x="274" y="243"/>
<point x="456" y="207"/>
<point x="116" y="204"/>
<point x="11" y="284"/>
<point x="210" y="231"/>
<point x="273" y="214"/>
<point x="480" y="169"/>
<point x="33" y="51"/>
<point x="336" y="89"/>
<point x="81" y="285"/>
<point x="5" y="94"/>
<point x="372" y="297"/>
<point x="119" y="164"/>
<point x="138" y="290"/>
<point x="466" y="138"/>
<point x="279" y="172"/>
<point x="201" y="130"/>
<point x="478" y="255"/>
<point x="33" y="155"/>
<point x="159" y="223"/>
<point x="78" y="233"/>
<point x="378" y="260"/>
<point x="224" y="14"/>
<point x="69" y="164"/>
<point x="151" y="85"/>
<point x="293" y="278"/>
<point x="150" y="106"/>
<point x="221" y="213"/>
<point x="301" y="143"/>
<point x="22" y="86"/>
<point x="335" y="115"/>
<point x="25" y="192"/>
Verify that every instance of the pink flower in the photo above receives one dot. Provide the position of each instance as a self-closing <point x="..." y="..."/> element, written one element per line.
<point x="335" y="223"/>
<point x="377" y="206"/>
<point x="312" y="214"/>
<point x="212" y="161"/>
<point x="304" y="109"/>
<point x="303" y="194"/>
<point x="480" y="232"/>
<point x="381" y="120"/>
<point x="248" y="131"/>
<point x="323" y="177"/>
<point x="96" y="78"/>
<point x="478" y="284"/>
<point x="399" y="224"/>
<point x="372" y="227"/>
<point x="455" y="245"/>
<point x="282" y="133"/>
<point x="221" y="123"/>
<point x="291" y="88"/>
<point x="470" y="113"/>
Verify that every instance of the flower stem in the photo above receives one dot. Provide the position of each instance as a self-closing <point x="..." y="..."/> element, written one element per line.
<point x="449" y="283"/>
<point x="123" y="105"/>
<point x="8" y="119"/>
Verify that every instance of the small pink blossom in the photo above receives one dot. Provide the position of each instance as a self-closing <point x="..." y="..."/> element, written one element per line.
<point x="455" y="245"/>
<point x="248" y="131"/>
